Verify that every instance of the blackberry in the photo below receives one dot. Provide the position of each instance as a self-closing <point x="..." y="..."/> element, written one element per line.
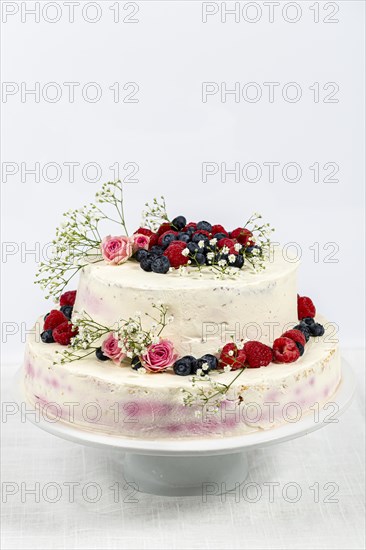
<point x="178" y="223"/>
<point x="308" y="321"/>
<point x="100" y="355"/>
<point x="185" y="366"/>
<point x="160" y="264"/>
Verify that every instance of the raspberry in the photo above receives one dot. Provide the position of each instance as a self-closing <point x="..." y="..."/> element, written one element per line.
<point x="242" y="235"/>
<point x="68" y="298"/>
<point x="219" y="229"/>
<point x="305" y="307"/>
<point x="257" y="354"/>
<point x="63" y="333"/>
<point x="164" y="227"/>
<point x="144" y="231"/>
<point x="54" y="319"/>
<point x="153" y="240"/>
<point x="232" y="357"/>
<point x="295" y="335"/>
<point x="174" y="254"/>
<point x="285" y="350"/>
<point x="226" y="242"/>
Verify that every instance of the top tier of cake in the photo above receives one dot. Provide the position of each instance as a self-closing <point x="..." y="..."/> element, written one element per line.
<point x="207" y="311"/>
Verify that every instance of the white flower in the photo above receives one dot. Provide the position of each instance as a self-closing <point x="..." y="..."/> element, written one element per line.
<point x="210" y="255"/>
<point x="227" y="368"/>
<point x="238" y="246"/>
<point x="225" y="250"/>
<point x="213" y="242"/>
<point x="232" y="258"/>
<point x="185" y="252"/>
<point x="201" y="244"/>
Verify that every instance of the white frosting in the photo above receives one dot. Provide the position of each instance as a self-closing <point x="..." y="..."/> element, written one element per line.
<point x="151" y="405"/>
<point x="207" y="311"/>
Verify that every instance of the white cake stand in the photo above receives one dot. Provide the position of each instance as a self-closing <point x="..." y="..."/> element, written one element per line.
<point x="191" y="467"/>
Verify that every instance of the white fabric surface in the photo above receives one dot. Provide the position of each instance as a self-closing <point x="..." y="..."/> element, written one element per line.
<point x="334" y="455"/>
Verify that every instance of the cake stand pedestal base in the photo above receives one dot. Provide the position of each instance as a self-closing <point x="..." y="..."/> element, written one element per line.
<point x="185" y="476"/>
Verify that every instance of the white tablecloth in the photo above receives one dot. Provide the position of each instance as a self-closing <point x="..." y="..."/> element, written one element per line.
<point x="328" y="515"/>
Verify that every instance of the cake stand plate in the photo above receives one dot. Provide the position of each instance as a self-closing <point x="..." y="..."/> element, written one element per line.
<point x="200" y="466"/>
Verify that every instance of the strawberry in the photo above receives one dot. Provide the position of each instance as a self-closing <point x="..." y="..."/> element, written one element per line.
<point x="305" y="307"/>
<point x="63" y="333"/>
<point x="174" y="254"/>
<point x="68" y="298"/>
<point x="295" y="335"/>
<point x="257" y="354"/>
<point x="54" y="319"/>
<point x="232" y="357"/>
<point x="285" y="350"/>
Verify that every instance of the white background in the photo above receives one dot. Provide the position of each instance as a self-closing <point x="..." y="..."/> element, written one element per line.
<point x="169" y="52"/>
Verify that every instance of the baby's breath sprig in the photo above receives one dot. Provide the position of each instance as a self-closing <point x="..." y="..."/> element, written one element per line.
<point x="206" y="391"/>
<point x="132" y="338"/>
<point x="77" y="241"/>
<point x="258" y="254"/>
<point x="155" y="214"/>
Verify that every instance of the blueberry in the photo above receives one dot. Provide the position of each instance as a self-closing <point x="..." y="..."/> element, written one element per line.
<point x="205" y="226"/>
<point x="193" y="247"/>
<point x="160" y="264"/>
<point x="300" y="347"/>
<point x="47" y="337"/>
<point x="67" y="311"/>
<point x="100" y="355"/>
<point x="157" y="250"/>
<point x="178" y="223"/>
<point x="199" y="258"/>
<point x="200" y="237"/>
<point x="136" y="363"/>
<point x="190" y="231"/>
<point x="239" y="261"/>
<point x="145" y="263"/>
<point x="140" y="254"/>
<point x="308" y="321"/>
<point x="304" y="329"/>
<point x="185" y="366"/>
<point x="316" y="329"/>
<point x="220" y="236"/>
<point x="210" y="362"/>
<point x="167" y="239"/>
<point x="184" y="237"/>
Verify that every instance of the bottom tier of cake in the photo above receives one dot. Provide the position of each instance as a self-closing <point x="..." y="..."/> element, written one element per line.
<point x="100" y="396"/>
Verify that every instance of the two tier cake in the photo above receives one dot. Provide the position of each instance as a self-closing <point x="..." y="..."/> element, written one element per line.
<point x="183" y="330"/>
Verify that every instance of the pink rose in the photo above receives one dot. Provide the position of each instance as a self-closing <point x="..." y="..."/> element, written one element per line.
<point x="159" y="356"/>
<point x="140" y="241"/>
<point x="116" y="250"/>
<point x="111" y="349"/>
